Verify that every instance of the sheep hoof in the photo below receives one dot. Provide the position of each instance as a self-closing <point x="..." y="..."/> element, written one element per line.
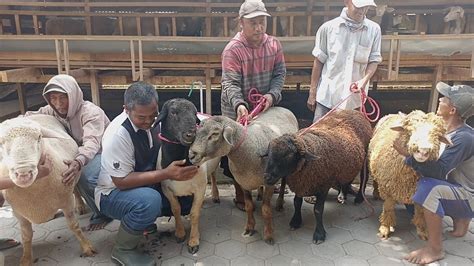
<point x="317" y="242"/>
<point x="193" y="250"/>
<point x="270" y="241"/>
<point x="295" y="223"/>
<point x="384" y="232"/>
<point x="341" y="199"/>
<point x="319" y="238"/>
<point x="249" y="232"/>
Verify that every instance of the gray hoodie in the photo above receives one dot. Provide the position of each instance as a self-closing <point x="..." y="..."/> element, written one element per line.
<point x="85" y="121"/>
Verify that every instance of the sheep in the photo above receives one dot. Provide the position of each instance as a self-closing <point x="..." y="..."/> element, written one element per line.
<point x="23" y="140"/>
<point x="330" y="153"/>
<point x="455" y="19"/>
<point x="422" y="134"/>
<point x="220" y="136"/>
<point x="178" y="128"/>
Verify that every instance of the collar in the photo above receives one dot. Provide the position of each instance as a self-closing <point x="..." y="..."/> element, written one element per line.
<point x="340" y="20"/>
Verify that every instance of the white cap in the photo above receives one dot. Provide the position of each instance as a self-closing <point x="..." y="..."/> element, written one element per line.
<point x="362" y="3"/>
<point x="252" y="9"/>
<point x="52" y="88"/>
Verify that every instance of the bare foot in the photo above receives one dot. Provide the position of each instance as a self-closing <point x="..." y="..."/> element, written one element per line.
<point x="424" y="256"/>
<point x="460" y="227"/>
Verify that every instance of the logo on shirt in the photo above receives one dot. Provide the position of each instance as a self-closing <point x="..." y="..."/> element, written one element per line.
<point x="116" y="165"/>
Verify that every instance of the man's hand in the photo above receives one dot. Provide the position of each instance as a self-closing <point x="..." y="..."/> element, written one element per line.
<point x="400" y="148"/>
<point x="73" y="169"/>
<point x="361" y="84"/>
<point x="242" y="112"/>
<point x="178" y="172"/>
<point x="44" y="166"/>
<point x="269" y="102"/>
<point x="311" y="102"/>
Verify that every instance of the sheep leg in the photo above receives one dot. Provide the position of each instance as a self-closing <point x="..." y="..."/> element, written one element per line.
<point x="364" y="177"/>
<point x="193" y="243"/>
<point x="249" y="208"/>
<point x="180" y="233"/>
<point x="71" y="219"/>
<point x="214" y="190"/>
<point x="296" y="220"/>
<point x="26" y="239"/>
<point x="319" y="233"/>
<point x="267" y="215"/>
<point x="281" y="196"/>
<point x="420" y="223"/>
<point x="260" y="193"/>
<point x="80" y="205"/>
<point x="387" y="218"/>
<point x="376" y="194"/>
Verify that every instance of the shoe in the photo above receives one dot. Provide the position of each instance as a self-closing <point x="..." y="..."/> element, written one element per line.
<point x="125" y="251"/>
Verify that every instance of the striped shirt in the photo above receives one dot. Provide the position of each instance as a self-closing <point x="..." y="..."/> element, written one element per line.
<point x="245" y="67"/>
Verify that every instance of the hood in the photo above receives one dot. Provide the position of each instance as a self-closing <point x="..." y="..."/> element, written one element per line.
<point x="74" y="92"/>
<point x="239" y="37"/>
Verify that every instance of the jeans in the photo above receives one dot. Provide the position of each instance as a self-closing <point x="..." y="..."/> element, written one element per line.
<point x="136" y="208"/>
<point x="320" y="111"/>
<point x="88" y="182"/>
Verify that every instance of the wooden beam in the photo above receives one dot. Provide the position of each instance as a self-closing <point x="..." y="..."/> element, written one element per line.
<point x="95" y="87"/>
<point x="156" y="23"/>
<point x="437" y="75"/>
<point x="20" y="75"/>
<point x="472" y="60"/>
<point x="132" y="59"/>
<point x="140" y="59"/>
<point x="208" y="92"/>
<point x="17" y="24"/>
<point x="35" y="24"/>
<point x="21" y="98"/>
<point x="88" y="21"/>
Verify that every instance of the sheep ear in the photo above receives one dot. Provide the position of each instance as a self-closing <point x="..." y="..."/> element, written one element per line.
<point x="300" y="164"/>
<point x="446" y="140"/>
<point x="48" y="133"/>
<point x="228" y="135"/>
<point x="390" y="9"/>
<point x="163" y="114"/>
<point x="398" y="125"/>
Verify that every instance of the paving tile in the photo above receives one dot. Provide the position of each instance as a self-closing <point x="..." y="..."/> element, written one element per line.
<point x="328" y="250"/>
<point x="239" y="236"/>
<point x="281" y="236"/>
<point x="303" y="234"/>
<point x="391" y="248"/>
<point x="247" y="261"/>
<point x="212" y="261"/>
<point x="231" y="222"/>
<point x="178" y="260"/>
<point x="45" y="262"/>
<point x="360" y="249"/>
<point x="455" y="260"/>
<point x="296" y="249"/>
<point x="169" y="249"/>
<point x="207" y="222"/>
<point x="365" y="234"/>
<point x="338" y="236"/>
<point x="459" y="248"/>
<point x="230" y="249"/>
<point x="104" y="263"/>
<point x="350" y="261"/>
<point x="281" y="260"/>
<point x="385" y="261"/>
<point x="206" y="249"/>
<point x="262" y="250"/>
<point x="314" y="261"/>
<point x="215" y="235"/>
<point x="60" y="236"/>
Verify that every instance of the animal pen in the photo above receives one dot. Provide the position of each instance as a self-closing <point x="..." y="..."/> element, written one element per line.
<point x="176" y="44"/>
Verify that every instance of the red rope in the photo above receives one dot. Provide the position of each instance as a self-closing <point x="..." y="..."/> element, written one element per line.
<point x="363" y="98"/>
<point x="163" y="138"/>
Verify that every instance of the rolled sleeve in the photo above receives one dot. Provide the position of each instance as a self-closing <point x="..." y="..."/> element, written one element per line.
<point x="375" y="53"/>
<point x="278" y="76"/>
<point x="320" y="45"/>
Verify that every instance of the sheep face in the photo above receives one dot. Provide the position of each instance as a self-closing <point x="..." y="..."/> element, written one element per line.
<point x="283" y="158"/>
<point x="20" y="147"/>
<point x="213" y="139"/>
<point x="423" y="135"/>
<point x="454" y="13"/>
<point x="178" y="118"/>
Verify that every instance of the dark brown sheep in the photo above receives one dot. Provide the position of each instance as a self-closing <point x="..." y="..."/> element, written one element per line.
<point x="331" y="153"/>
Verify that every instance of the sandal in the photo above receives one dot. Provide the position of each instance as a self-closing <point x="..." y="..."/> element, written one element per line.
<point x="310" y="199"/>
<point x="6" y="243"/>
<point x="239" y="205"/>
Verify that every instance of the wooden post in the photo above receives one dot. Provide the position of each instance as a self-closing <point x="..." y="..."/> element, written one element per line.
<point x="95" y="87"/>
<point x="309" y="17"/>
<point x="390" y="59"/>
<point x="208" y="91"/>
<point x="1" y="27"/>
<point x="132" y="59"/>
<point x="173" y="26"/>
<point x="140" y="59"/>
<point x="139" y="26"/>
<point x="66" y="55"/>
<point x="35" y="24"/>
<point x="433" y="103"/>
<point x="17" y="24"/>
<point x="58" y="56"/>
<point x="21" y="98"/>
<point x="292" y="19"/>
<point x="208" y="19"/>
<point x="87" y="9"/>
<point x="157" y="26"/>
<point x="274" y="25"/>
<point x="472" y="60"/>
<point x="397" y="60"/>
<point x="120" y="21"/>
<point x="226" y="26"/>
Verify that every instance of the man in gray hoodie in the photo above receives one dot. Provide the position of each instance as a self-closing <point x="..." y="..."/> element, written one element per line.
<point x="86" y="123"/>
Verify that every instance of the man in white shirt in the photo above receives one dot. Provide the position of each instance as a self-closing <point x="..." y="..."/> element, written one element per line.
<point x="126" y="189"/>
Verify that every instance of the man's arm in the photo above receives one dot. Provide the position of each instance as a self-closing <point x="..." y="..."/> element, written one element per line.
<point x="369" y="72"/>
<point x="45" y="110"/>
<point x="231" y="79"/>
<point x="175" y="171"/>
<point x="278" y="77"/>
<point x="315" y="76"/>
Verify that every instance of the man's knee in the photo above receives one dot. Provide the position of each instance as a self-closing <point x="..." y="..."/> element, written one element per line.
<point x="148" y="207"/>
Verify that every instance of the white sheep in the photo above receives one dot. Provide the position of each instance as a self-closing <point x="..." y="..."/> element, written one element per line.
<point x="220" y="136"/>
<point x="422" y="134"/>
<point x="23" y="140"/>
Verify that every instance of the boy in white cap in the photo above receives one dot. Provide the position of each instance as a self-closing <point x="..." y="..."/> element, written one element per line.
<point x="446" y="186"/>
<point x="346" y="51"/>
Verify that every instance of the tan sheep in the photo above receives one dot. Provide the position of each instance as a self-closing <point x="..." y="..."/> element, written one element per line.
<point x="422" y="134"/>
<point x="23" y="141"/>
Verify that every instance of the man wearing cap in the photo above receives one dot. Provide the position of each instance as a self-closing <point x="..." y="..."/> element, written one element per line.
<point x="252" y="59"/>
<point x="346" y="51"/>
<point x="86" y="123"/>
<point x="446" y="186"/>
